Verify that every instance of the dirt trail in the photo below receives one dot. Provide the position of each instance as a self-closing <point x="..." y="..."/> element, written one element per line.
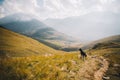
<point x="93" y="69"/>
<point x="99" y="74"/>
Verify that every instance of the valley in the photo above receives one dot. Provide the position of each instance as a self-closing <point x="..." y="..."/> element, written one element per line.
<point x="23" y="58"/>
<point x="59" y="39"/>
<point x="41" y="32"/>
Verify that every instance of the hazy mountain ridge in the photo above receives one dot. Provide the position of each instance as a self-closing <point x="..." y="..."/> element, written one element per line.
<point x="38" y="30"/>
<point x="91" y="26"/>
<point x="24" y="27"/>
<point x="108" y="42"/>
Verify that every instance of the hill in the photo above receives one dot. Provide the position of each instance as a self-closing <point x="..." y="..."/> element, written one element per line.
<point x="88" y="27"/>
<point x="109" y="48"/>
<point x="14" y="44"/>
<point x="102" y="63"/>
<point x="37" y="30"/>
<point x="108" y="42"/>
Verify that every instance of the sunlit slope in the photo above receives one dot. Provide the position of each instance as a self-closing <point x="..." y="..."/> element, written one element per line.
<point x="13" y="44"/>
<point x="60" y="66"/>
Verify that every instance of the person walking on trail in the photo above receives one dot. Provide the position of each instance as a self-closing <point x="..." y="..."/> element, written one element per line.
<point x="83" y="54"/>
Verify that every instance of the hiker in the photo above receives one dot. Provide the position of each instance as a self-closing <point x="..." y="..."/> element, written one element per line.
<point x="83" y="54"/>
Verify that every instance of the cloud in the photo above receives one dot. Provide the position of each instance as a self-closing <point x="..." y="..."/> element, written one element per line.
<point x="43" y="9"/>
<point x="95" y="25"/>
<point x="18" y="6"/>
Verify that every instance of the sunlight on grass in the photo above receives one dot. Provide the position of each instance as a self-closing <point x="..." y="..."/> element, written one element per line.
<point x="39" y="68"/>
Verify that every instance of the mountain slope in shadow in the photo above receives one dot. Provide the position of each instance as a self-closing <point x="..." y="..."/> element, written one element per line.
<point x="39" y="31"/>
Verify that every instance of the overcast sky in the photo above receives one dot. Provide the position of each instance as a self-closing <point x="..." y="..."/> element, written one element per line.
<point x="43" y="9"/>
<point x="60" y="9"/>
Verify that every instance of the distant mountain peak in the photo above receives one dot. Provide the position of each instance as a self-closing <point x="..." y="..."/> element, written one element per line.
<point x="37" y="30"/>
<point x="16" y="17"/>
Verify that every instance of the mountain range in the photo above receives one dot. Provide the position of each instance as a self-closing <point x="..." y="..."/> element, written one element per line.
<point x="88" y="27"/>
<point x="37" y="30"/>
<point x="21" y="56"/>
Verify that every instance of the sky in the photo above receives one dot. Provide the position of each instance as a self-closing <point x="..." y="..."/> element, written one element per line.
<point x="60" y="9"/>
<point x="44" y="9"/>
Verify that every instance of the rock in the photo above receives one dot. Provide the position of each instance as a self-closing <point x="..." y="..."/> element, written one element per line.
<point x="95" y="56"/>
<point x="72" y="73"/>
<point x="106" y="77"/>
<point x="64" y="68"/>
<point x="73" y="62"/>
<point x="116" y="65"/>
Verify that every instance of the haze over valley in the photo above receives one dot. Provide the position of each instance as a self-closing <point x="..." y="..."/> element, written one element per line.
<point x="59" y="39"/>
<point x="78" y="18"/>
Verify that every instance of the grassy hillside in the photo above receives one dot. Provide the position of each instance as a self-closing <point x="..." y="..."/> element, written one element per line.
<point x="109" y="48"/>
<point x="13" y="44"/>
<point x="62" y="66"/>
<point x="109" y="42"/>
<point x="57" y="67"/>
<point x="113" y="57"/>
<point x="52" y="64"/>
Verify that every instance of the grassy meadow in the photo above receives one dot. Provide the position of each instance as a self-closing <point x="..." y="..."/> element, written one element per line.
<point x="54" y="67"/>
<point x="23" y="58"/>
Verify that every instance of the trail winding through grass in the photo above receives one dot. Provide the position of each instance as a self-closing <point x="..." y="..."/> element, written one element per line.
<point x="99" y="74"/>
<point x="93" y="68"/>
